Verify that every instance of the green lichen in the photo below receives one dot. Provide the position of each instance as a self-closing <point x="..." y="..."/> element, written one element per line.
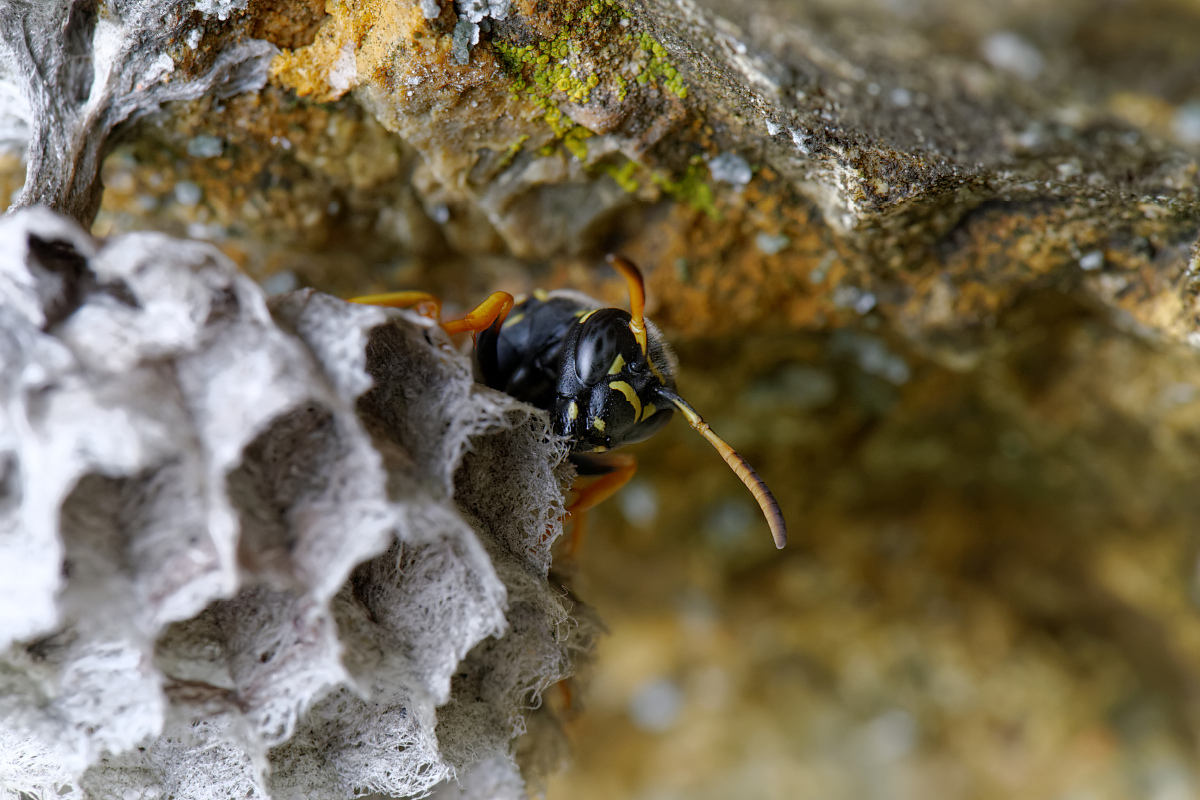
<point x="553" y="65"/>
<point x="659" y="69"/>
<point x="692" y="188"/>
<point x="572" y="140"/>
<point x="548" y="71"/>
<point x="623" y="175"/>
<point x="622" y="87"/>
<point x="559" y="122"/>
<point x="512" y="151"/>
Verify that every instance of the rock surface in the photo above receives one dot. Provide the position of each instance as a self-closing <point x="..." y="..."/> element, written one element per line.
<point x="930" y="266"/>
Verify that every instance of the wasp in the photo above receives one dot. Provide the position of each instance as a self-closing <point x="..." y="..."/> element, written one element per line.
<point x="605" y="376"/>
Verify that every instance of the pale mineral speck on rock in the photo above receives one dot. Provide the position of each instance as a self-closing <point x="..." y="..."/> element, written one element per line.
<point x="771" y="244"/>
<point x="1013" y="53"/>
<point x="639" y="503"/>
<point x="656" y="705"/>
<point x="205" y="146"/>
<point x="1186" y="123"/>
<point x="800" y="140"/>
<point x="188" y="193"/>
<point x="730" y="168"/>
<point x="1092" y="261"/>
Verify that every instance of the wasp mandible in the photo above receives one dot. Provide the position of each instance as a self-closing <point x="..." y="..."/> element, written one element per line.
<point x="605" y="376"/>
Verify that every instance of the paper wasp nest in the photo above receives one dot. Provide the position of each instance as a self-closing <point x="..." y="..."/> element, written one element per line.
<point x="258" y="552"/>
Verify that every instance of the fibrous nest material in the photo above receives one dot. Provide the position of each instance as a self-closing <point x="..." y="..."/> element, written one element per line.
<point x="252" y="550"/>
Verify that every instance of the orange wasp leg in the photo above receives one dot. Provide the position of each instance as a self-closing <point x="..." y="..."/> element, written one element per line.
<point x="616" y="469"/>
<point x="491" y="312"/>
<point x="423" y="301"/>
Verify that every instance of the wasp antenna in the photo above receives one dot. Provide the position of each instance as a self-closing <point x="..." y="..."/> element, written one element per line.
<point x="766" y="500"/>
<point x="637" y="295"/>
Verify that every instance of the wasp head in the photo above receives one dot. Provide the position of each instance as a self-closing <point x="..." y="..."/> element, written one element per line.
<point x="616" y="385"/>
<point x="608" y="382"/>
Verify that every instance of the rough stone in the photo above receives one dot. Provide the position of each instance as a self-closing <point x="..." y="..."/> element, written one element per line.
<point x="951" y="318"/>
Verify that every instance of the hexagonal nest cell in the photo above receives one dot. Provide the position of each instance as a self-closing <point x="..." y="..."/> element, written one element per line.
<point x="254" y="549"/>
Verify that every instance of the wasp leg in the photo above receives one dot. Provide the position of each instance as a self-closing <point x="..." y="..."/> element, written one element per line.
<point x="566" y="694"/>
<point x="426" y="304"/>
<point x="613" y="470"/>
<point x="490" y="313"/>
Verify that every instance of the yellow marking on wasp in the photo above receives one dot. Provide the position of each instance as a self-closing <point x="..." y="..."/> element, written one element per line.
<point x="572" y="411"/>
<point x="638" y="329"/>
<point x="584" y="318"/>
<point x="648" y="410"/>
<point x="617" y="365"/>
<point x="514" y="319"/>
<point x="598" y="424"/>
<point x="540" y="294"/>
<point x="630" y="395"/>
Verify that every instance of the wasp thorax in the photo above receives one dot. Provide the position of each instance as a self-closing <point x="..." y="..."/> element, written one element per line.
<point x="607" y="389"/>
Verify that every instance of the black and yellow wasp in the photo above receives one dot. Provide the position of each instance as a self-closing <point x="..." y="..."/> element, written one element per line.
<point x="604" y="375"/>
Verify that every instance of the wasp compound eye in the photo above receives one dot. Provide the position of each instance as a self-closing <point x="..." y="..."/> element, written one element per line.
<point x="603" y="339"/>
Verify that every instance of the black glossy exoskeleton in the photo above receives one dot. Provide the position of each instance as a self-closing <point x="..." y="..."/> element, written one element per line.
<point x="558" y="352"/>
<point x="606" y="376"/>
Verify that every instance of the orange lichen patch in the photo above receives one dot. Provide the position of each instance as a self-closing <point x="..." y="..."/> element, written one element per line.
<point x="404" y="60"/>
<point x="438" y="106"/>
<point x="1001" y="252"/>
<point x="1143" y="111"/>
<point x="712" y="276"/>
<point x="1152" y="280"/>
<point x="12" y="176"/>
<point x="534" y="14"/>
<point x="463" y="119"/>
<point x="314" y="189"/>
<point x="290" y="24"/>
<point x="1153" y="296"/>
<point x="354" y="41"/>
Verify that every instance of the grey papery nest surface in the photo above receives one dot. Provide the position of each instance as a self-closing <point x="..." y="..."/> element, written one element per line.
<point x="252" y="549"/>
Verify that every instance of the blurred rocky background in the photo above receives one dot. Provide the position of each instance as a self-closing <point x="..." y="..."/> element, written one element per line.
<point x="929" y="265"/>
